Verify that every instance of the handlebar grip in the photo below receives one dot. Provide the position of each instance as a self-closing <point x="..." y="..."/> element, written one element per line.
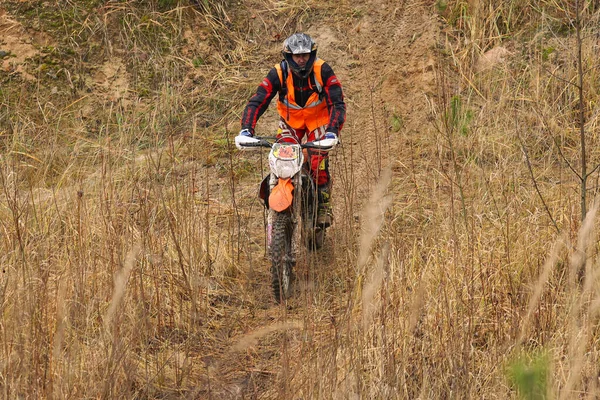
<point x="261" y="143"/>
<point x="314" y="147"/>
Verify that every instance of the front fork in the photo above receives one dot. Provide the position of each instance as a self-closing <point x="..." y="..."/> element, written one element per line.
<point x="295" y="214"/>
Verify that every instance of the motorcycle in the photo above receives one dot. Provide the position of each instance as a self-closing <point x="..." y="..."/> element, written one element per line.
<point x="290" y="195"/>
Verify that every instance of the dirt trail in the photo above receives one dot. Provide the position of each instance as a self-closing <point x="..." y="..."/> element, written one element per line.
<point x="386" y="65"/>
<point x="395" y="42"/>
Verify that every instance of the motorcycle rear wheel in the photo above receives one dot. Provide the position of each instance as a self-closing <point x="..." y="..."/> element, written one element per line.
<point x="281" y="258"/>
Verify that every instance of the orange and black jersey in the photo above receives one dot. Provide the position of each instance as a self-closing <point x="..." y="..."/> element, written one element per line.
<point x="271" y="85"/>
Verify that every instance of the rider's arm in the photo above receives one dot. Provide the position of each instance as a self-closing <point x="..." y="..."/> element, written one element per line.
<point x="260" y="101"/>
<point x="335" y="99"/>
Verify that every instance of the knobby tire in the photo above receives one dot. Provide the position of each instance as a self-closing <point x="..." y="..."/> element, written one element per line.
<point x="281" y="246"/>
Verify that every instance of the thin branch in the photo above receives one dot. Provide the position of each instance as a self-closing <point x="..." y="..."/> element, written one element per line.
<point x="593" y="170"/>
<point x="582" y="139"/>
<point x="563" y="80"/>
<point x="535" y="185"/>
<point x="565" y="159"/>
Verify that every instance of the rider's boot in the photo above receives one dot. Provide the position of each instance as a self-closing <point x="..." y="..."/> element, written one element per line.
<point x="324" y="209"/>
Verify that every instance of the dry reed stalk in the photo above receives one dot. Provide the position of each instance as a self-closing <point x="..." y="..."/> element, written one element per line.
<point x="373" y="217"/>
<point x="583" y="314"/>
<point x="121" y="279"/>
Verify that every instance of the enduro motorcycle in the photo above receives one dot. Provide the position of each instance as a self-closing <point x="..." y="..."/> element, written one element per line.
<point x="290" y="195"/>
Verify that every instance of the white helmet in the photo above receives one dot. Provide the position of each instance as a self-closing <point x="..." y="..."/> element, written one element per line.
<point x="300" y="43"/>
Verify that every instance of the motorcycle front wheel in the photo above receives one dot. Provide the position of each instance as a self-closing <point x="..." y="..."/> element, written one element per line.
<point x="281" y="260"/>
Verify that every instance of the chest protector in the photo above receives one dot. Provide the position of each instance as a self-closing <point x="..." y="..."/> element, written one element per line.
<point x="315" y="113"/>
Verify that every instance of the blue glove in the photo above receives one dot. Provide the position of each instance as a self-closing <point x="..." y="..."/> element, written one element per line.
<point x="246" y="132"/>
<point x="330" y="135"/>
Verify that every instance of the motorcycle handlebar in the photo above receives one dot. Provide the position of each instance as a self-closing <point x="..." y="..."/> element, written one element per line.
<point x="268" y="141"/>
<point x="313" y="145"/>
<point x="261" y="143"/>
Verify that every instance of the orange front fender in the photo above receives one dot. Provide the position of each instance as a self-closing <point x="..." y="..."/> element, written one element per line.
<point x="282" y="195"/>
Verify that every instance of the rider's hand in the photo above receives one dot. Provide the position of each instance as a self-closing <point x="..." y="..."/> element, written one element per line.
<point x="241" y="138"/>
<point x="330" y="135"/>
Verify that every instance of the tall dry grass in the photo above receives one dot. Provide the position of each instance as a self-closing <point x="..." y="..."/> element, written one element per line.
<point x="132" y="246"/>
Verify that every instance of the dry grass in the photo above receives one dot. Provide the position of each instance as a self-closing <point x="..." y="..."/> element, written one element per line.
<point x="132" y="245"/>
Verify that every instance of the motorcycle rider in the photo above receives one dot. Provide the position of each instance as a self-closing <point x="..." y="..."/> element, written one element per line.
<point x="310" y="106"/>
